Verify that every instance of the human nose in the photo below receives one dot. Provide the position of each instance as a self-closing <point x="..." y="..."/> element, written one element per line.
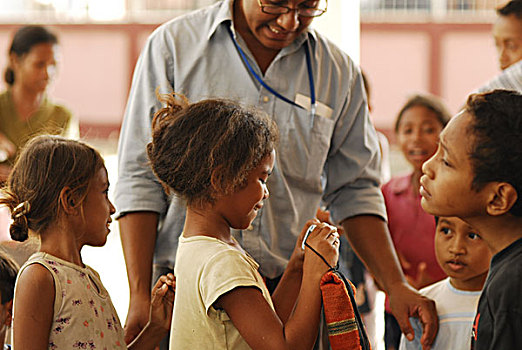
<point x="416" y="134"/>
<point x="112" y="210"/>
<point x="50" y="71"/>
<point x="289" y="21"/>
<point x="266" y="194"/>
<point x="457" y="245"/>
<point x="503" y="57"/>
<point x="427" y="167"/>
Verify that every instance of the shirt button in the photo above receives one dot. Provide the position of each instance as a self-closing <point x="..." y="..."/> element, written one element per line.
<point x="250" y="228"/>
<point x="266" y="99"/>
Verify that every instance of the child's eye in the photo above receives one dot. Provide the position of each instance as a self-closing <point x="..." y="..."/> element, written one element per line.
<point x="511" y="46"/>
<point x="445" y="162"/>
<point x="473" y="235"/>
<point x="445" y="230"/>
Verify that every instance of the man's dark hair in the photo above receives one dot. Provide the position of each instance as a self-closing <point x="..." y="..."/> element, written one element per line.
<point x="496" y="130"/>
<point x="514" y="7"/>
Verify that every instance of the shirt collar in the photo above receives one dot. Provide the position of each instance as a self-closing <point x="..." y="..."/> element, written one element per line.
<point x="224" y="14"/>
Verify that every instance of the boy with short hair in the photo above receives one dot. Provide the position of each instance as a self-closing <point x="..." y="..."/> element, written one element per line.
<point x="464" y="257"/>
<point x="8" y="272"/>
<point x="476" y="175"/>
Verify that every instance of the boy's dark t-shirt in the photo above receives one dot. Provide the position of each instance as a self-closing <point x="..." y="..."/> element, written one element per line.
<point x="498" y="323"/>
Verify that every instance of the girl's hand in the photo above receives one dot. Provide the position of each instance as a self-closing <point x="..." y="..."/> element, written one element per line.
<point x="297" y="257"/>
<point x="324" y="239"/>
<point x="162" y="302"/>
<point x="160" y="314"/>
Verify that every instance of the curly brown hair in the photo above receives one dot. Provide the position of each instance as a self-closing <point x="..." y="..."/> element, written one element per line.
<point x="206" y="149"/>
<point x="46" y="165"/>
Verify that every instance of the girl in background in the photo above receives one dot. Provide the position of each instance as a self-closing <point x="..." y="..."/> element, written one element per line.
<point x="417" y="127"/>
<point x="58" y="190"/>
<point x="218" y="156"/>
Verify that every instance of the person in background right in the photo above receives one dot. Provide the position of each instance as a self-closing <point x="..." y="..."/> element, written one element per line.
<point x="507" y="32"/>
<point x="465" y="258"/>
<point x="476" y="175"/>
<point x="417" y="127"/>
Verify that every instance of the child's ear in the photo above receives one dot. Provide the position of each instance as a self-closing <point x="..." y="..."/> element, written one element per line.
<point x="215" y="179"/>
<point x="503" y="197"/>
<point x="68" y="201"/>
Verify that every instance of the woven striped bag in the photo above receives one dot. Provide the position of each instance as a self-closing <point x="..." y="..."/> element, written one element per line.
<point x="345" y="327"/>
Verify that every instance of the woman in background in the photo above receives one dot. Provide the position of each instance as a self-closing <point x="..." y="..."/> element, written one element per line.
<point x="25" y="110"/>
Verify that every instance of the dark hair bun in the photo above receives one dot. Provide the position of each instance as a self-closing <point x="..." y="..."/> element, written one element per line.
<point x="19" y="229"/>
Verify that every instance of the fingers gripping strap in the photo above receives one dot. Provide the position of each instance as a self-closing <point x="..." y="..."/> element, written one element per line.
<point x="319" y="255"/>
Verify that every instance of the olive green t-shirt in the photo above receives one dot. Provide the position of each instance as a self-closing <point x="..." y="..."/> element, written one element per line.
<point x="48" y="119"/>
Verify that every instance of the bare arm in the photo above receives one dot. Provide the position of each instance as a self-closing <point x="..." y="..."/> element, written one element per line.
<point x="138" y="232"/>
<point x="261" y="327"/>
<point x="33" y="309"/>
<point x="286" y="292"/>
<point x="370" y="238"/>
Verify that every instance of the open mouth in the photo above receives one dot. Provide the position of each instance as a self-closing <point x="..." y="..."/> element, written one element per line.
<point x="274" y="30"/>
<point x="277" y="33"/>
<point x="417" y="152"/>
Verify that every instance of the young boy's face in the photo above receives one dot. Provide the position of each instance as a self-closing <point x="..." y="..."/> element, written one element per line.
<point x="461" y="253"/>
<point x="448" y="175"/>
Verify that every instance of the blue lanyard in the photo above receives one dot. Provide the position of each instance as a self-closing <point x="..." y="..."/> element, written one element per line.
<point x="266" y="86"/>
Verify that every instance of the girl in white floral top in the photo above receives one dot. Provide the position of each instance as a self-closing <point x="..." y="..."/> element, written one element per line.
<point x="58" y="190"/>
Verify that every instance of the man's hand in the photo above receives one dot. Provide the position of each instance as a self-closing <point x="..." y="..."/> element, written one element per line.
<point x="406" y="302"/>
<point x="137" y="318"/>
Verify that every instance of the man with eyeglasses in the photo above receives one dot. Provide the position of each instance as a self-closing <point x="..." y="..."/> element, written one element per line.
<point x="262" y="53"/>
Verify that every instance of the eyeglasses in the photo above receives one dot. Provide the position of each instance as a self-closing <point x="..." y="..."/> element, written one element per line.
<point x="301" y="11"/>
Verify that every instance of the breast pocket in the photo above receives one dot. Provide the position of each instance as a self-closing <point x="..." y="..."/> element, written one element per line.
<point x="304" y="148"/>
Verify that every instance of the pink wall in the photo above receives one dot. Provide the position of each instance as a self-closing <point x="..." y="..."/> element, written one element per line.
<point x="395" y="65"/>
<point x="469" y="60"/>
<point x="449" y="60"/>
<point x="94" y="72"/>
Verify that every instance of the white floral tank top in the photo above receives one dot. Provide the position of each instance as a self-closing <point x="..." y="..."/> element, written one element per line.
<point x="84" y="316"/>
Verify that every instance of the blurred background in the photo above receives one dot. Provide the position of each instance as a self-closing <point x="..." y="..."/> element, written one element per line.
<point x="439" y="46"/>
<point x="443" y="47"/>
